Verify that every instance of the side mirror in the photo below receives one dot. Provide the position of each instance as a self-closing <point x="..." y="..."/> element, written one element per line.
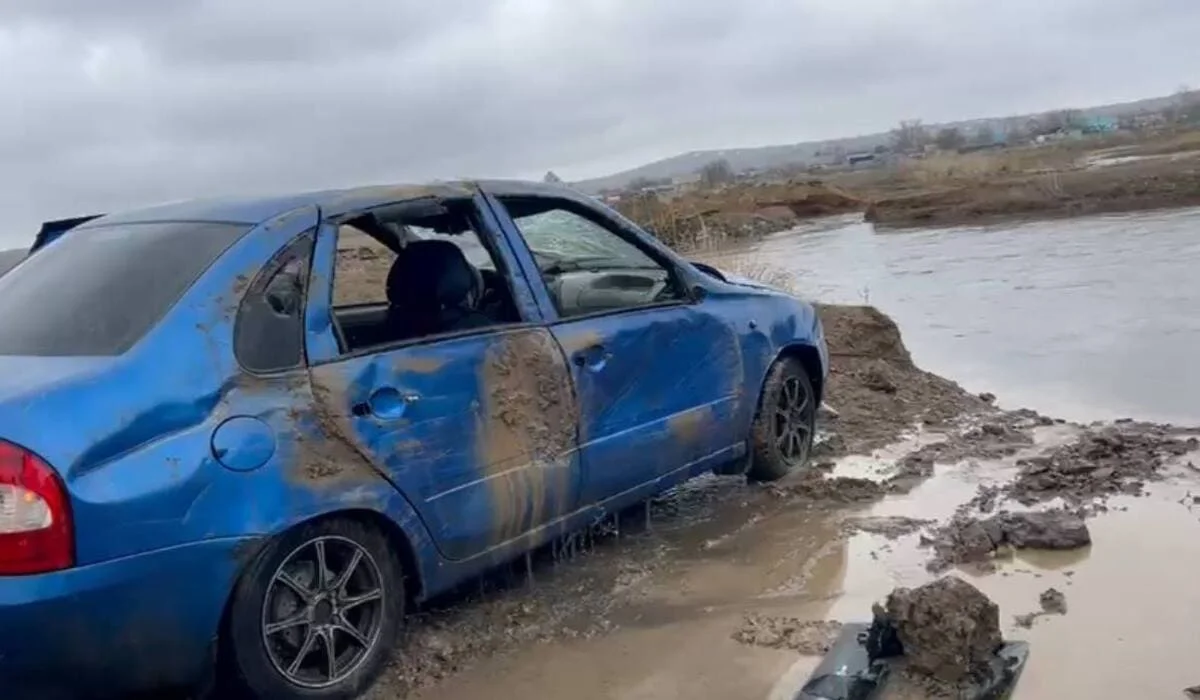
<point x="699" y="292"/>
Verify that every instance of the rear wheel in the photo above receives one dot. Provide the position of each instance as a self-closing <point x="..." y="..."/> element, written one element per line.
<point x="317" y="613"/>
<point x="782" y="435"/>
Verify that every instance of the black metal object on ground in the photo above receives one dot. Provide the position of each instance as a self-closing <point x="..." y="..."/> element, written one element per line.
<point x="858" y="665"/>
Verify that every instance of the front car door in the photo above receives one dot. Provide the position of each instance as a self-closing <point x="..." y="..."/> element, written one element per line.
<point x="475" y="425"/>
<point x="660" y="379"/>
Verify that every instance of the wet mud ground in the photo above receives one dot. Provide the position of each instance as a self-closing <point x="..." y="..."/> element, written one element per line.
<point x="723" y="589"/>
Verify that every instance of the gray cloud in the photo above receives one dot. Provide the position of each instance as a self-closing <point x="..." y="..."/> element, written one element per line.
<point x="127" y="102"/>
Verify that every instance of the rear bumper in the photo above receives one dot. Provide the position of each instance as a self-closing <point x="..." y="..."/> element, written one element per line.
<point x="132" y="624"/>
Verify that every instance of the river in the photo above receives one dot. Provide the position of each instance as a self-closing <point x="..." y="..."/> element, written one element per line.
<point x="1084" y="319"/>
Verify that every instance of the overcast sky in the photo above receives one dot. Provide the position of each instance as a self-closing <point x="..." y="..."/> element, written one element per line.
<point x="124" y="102"/>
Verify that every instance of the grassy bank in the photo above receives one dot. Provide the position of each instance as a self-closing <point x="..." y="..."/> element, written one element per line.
<point x="712" y="218"/>
<point x="1115" y="174"/>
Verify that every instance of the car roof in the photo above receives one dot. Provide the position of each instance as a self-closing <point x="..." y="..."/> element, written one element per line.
<point x="254" y="210"/>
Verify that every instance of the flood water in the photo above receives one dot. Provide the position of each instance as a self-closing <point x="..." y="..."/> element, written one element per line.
<point x="1084" y="319"/>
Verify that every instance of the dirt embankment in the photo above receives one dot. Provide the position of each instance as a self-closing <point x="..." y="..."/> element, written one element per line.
<point x="876" y="391"/>
<point x="1035" y="183"/>
<point x="1123" y="188"/>
<point x="710" y="217"/>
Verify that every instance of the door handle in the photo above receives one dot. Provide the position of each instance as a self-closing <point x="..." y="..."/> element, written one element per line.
<point x="387" y="402"/>
<point x="593" y="358"/>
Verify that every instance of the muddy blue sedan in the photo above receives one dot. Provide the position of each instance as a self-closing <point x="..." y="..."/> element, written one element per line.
<point x="240" y="438"/>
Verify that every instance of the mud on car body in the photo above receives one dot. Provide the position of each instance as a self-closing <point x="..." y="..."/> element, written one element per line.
<point x="239" y="439"/>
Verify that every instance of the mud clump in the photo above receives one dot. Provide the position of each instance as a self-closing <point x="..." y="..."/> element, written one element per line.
<point x="1053" y="602"/>
<point x="806" y="637"/>
<point x="967" y="540"/>
<point x="1117" y="459"/>
<point x="833" y="491"/>
<point x="1052" y="529"/>
<point x="948" y="629"/>
<point x="889" y="526"/>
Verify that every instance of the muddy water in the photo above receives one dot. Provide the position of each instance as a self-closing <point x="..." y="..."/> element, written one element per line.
<point x="1129" y="631"/>
<point x="1082" y="319"/>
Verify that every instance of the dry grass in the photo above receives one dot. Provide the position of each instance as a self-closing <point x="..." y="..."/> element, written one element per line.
<point x="711" y="218"/>
<point x="1184" y="142"/>
<point x="752" y="266"/>
<point x="972" y="168"/>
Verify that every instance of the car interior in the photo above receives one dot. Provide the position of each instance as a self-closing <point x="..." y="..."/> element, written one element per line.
<point x="429" y="273"/>
<point x="429" y="287"/>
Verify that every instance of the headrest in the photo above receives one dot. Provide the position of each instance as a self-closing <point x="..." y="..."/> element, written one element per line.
<point x="432" y="273"/>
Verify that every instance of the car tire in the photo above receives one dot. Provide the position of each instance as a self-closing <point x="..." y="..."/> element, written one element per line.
<point x="781" y="438"/>
<point x="281" y="609"/>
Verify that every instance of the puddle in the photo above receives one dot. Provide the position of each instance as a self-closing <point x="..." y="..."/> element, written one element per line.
<point x="1128" y="633"/>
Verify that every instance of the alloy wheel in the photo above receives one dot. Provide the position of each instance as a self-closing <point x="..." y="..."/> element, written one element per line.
<point x="793" y="421"/>
<point x="323" y="612"/>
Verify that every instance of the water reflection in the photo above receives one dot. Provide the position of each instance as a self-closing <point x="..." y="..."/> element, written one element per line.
<point x="1087" y="319"/>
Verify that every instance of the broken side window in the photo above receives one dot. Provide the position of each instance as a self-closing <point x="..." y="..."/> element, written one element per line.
<point x="269" y="335"/>
<point x="436" y="276"/>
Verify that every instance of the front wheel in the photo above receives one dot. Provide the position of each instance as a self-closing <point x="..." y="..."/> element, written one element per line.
<point x="317" y="613"/>
<point x="782" y="435"/>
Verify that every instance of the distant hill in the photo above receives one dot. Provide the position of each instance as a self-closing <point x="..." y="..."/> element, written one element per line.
<point x="9" y="258"/>
<point x="775" y="156"/>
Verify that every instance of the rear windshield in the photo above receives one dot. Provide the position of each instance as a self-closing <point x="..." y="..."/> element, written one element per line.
<point x="97" y="291"/>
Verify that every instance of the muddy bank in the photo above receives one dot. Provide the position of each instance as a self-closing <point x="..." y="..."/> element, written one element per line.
<point x="876" y="392"/>
<point x="1135" y="186"/>
<point x="709" y="217"/>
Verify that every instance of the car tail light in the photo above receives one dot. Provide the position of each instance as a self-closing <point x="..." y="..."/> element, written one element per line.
<point x="35" y="517"/>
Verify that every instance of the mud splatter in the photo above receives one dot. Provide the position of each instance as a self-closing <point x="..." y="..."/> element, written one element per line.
<point x="527" y="429"/>
<point x="1053" y="602"/>
<point x="426" y="364"/>
<point x="806" y="637"/>
<point x="327" y="452"/>
<point x="688" y="427"/>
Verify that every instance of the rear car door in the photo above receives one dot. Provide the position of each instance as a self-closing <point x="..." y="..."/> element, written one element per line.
<point x="659" y="377"/>
<point x="474" y="424"/>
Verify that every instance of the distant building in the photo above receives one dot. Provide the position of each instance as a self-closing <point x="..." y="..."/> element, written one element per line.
<point x="861" y="158"/>
<point x="1098" y="125"/>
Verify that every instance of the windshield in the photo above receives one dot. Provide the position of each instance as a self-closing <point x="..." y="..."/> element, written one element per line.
<point x="97" y="291"/>
<point x="565" y="241"/>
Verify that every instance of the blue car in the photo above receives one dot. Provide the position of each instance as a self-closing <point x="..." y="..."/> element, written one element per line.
<point x="240" y="438"/>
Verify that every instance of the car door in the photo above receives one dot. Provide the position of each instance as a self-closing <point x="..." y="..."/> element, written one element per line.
<point x="476" y="427"/>
<point x="659" y="377"/>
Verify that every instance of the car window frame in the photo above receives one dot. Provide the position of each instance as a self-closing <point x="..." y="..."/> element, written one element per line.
<point x="490" y="240"/>
<point x="687" y="295"/>
<point x="258" y="285"/>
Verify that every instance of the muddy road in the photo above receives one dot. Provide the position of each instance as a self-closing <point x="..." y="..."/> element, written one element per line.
<point x="727" y="590"/>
